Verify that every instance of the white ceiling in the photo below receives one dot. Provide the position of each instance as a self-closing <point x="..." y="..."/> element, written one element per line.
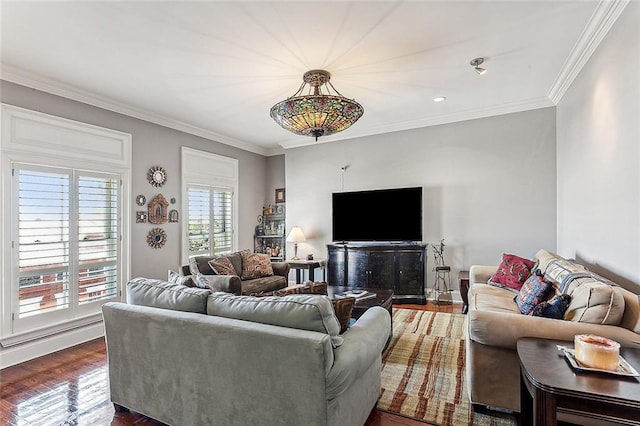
<point x="215" y="68"/>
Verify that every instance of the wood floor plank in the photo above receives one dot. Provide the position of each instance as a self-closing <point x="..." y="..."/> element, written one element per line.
<point x="70" y="387"/>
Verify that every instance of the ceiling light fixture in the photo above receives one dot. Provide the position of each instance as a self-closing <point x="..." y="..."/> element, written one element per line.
<point x="476" y="64"/>
<point x="440" y="99"/>
<point x="316" y="113"/>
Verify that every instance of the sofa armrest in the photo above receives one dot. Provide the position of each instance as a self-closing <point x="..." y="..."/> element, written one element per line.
<point x="481" y="273"/>
<point x="281" y="268"/>
<point x="227" y="283"/>
<point x="362" y="347"/>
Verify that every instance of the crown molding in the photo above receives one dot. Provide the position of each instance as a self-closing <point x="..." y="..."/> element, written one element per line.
<point x="472" y="114"/>
<point x="38" y="82"/>
<point x="601" y="21"/>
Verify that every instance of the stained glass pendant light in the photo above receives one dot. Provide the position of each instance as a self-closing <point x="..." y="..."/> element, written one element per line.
<point x="316" y="113"/>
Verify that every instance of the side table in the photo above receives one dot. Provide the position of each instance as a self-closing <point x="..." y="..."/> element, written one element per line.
<point x="463" y="285"/>
<point x="549" y="387"/>
<point x="310" y="265"/>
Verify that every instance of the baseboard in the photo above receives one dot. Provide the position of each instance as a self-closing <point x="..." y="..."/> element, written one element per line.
<point x="452" y="296"/>
<point x="37" y="348"/>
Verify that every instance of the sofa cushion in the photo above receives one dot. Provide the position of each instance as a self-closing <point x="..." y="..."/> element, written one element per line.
<point x="534" y="291"/>
<point x="301" y="311"/>
<point x="596" y="303"/>
<point x="512" y="272"/>
<point x="177" y="278"/>
<point x="255" y="265"/>
<point x="259" y="286"/>
<point x="485" y="297"/>
<point x="162" y="294"/>
<point x="342" y="307"/>
<point x="222" y="266"/>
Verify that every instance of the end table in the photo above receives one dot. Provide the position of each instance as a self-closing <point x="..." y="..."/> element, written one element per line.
<point x="463" y="285"/>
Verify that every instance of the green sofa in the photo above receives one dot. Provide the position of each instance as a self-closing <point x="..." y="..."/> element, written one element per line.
<point x="187" y="356"/>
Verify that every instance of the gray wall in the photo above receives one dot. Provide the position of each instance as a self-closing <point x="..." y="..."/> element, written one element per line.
<point x="156" y="145"/>
<point x="275" y="178"/>
<point x="489" y="185"/>
<point x="598" y="141"/>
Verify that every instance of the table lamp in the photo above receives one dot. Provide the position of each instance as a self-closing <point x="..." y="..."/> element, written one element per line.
<point x="295" y="236"/>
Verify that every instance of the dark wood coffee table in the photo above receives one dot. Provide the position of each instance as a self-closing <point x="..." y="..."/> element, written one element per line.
<point x="384" y="298"/>
<point x="549" y="386"/>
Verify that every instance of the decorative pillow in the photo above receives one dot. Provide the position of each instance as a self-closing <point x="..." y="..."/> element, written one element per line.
<point x="222" y="266"/>
<point x="255" y="265"/>
<point x="512" y="272"/>
<point x="596" y="303"/>
<point x="555" y="308"/>
<point x="176" y="278"/>
<point x="533" y="292"/>
<point x="193" y="266"/>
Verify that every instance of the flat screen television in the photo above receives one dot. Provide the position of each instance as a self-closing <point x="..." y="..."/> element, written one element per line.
<point x="378" y="215"/>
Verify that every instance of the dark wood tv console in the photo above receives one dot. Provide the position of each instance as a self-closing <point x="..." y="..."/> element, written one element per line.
<point x="396" y="266"/>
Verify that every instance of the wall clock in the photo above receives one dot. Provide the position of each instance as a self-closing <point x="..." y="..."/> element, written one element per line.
<point x="156" y="238"/>
<point x="157" y="176"/>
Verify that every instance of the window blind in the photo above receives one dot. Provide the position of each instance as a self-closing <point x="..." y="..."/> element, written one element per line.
<point x="210" y="227"/>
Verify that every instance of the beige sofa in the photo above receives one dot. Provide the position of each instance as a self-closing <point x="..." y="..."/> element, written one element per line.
<point x="495" y="324"/>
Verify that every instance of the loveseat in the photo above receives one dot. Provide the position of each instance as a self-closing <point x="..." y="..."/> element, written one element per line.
<point x="240" y="280"/>
<point x="189" y="356"/>
<point x="495" y="323"/>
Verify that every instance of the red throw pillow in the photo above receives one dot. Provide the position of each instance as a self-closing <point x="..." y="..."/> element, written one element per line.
<point x="512" y="272"/>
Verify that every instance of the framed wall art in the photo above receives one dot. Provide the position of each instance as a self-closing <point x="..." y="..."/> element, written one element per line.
<point x="158" y="210"/>
<point x="280" y="195"/>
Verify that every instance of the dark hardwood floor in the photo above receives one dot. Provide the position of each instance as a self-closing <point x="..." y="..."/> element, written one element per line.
<point x="69" y="387"/>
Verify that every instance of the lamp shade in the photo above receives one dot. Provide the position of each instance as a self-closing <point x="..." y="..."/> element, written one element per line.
<point x="316" y="113"/>
<point x="296" y="235"/>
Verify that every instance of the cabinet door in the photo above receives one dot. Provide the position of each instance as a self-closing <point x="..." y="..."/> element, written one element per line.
<point x="381" y="269"/>
<point x="335" y="266"/>
<point x="410" y="273"/>
<point x="357" y="268"/>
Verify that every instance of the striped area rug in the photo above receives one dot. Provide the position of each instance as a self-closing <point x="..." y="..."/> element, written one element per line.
<point x="423" y="374"/>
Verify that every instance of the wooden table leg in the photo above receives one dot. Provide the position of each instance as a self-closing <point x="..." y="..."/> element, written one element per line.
<point x="311" y="273"/>
<point x="526" y="403"/>
<point x="298" y="276"/>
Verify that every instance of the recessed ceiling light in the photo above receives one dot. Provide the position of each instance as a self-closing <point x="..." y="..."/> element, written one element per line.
<point x="440" y="99"/>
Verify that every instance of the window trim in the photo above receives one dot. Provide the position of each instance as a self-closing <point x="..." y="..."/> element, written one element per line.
<point x="39" y="139"/>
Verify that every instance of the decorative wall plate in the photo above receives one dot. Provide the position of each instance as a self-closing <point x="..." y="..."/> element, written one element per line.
<point x="141" y="200"/>
<point x="157" y="176"/>
<point x="156" y="238"/>
<point x="173" y="215"/>
<point x="172" y="200"/>
<point x="141" y="217"/>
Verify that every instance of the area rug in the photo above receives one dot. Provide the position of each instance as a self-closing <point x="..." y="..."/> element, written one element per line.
<point x="423" y="371"/>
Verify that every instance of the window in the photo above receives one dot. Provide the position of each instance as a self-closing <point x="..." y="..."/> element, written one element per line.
<point x="210" y="203"/>
<point x="210" y="220"/>
<point x="67" y="247"/>
<point x="64" y="202"/>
